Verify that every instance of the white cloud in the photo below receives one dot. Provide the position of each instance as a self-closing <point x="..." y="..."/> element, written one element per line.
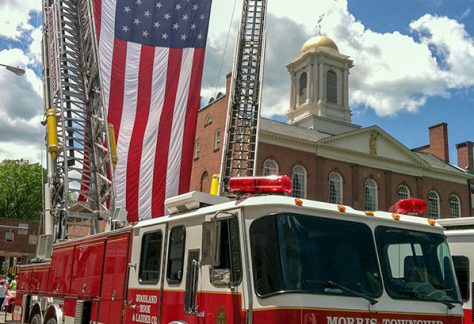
<point x="393" y="72"/>
<point x="20" y="109"/>
<point x="15" y="15"/>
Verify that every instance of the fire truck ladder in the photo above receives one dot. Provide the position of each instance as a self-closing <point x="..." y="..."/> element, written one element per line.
<point x="241" y="135"/>
<point x="81" y="191"/>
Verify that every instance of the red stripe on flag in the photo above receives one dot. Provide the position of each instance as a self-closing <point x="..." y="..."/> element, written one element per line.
<point x="164" y="131"/>
<point x="190" y="122"/>
<point x="117" y="80"/>
<point x="98" y="17"/>
<point x="145" y="75"/>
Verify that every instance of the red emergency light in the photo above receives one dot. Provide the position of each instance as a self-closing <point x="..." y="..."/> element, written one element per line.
<point x="409" y="206"/>
<point x="255" y="185"/>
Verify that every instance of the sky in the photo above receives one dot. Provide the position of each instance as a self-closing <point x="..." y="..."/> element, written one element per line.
<point x="412" y="64"/>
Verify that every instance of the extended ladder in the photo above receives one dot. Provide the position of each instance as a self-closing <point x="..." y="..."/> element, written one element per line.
<point x="243" y="115"/>
<point x="79" y="187"/>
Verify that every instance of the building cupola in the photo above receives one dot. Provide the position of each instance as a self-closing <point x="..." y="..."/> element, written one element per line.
<point x="320" y="87"/>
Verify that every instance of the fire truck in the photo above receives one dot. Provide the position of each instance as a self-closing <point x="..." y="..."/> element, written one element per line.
<point x="258" y="259"/>
<point x="249" y="255"/>
<point x="460" y="234"/>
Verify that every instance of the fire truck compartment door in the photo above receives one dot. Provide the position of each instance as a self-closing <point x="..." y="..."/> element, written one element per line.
<point x="146" y="274"/>
<point x="114" y="275"/>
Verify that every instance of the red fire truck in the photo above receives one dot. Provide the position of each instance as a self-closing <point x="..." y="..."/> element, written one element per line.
<point x="460" y="234"/>
<point x="256" y="259"/>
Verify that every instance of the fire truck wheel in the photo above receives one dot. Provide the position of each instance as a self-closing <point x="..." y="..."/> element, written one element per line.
<point x="52" y="320"/>
<point x="35" y="319"/>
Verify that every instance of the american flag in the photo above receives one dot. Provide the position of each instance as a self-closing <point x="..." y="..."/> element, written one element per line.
<point x="151" y="55"/>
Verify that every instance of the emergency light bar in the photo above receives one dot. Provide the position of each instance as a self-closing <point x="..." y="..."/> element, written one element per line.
<point x="254" y="185"/>
<point x="409" y="206"/>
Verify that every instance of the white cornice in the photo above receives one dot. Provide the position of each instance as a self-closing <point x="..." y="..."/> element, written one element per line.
<point x="354" y="157"/>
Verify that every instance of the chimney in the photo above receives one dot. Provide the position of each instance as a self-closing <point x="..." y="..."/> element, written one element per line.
<point x="465" y="155"/>
<point x="439" y="141"/>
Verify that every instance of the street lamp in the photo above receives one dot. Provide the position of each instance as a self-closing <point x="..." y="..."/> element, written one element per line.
<point x="13" y="69"/>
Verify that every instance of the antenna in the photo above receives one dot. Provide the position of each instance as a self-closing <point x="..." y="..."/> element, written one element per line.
<point x="320" y="20"/>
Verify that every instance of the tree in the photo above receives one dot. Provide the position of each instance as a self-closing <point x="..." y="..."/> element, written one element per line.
<point x="21" y="185"/>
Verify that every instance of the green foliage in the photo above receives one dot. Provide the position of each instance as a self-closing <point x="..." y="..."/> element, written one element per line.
<point x="21" y="189"/>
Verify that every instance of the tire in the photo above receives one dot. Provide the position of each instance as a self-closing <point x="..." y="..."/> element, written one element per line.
<point x="35" y="319"/>
<point x="52" y="320"/>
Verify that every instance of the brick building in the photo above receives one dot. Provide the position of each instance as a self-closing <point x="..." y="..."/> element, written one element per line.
<point x="332" y="159"/>
<point x="18" y="240"/>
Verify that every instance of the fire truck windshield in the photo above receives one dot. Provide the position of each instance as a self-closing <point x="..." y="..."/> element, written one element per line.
<point x="307" y="254"/>
<point x="416" y="265"/>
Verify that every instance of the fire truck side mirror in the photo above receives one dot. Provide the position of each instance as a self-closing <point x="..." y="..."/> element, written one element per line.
<point x="210" y="239"/>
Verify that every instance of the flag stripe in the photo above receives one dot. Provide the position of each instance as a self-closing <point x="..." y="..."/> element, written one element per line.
<point x="127" y="121"/>
<point x="97" y="7"/>
<point x="150" y="137"/>
<point x="164" y="130"/>
<point x="111" y="53"/>
<point x="141" y="119"/>
<point x="190" y="121"/>
<point x="174" y="157"/>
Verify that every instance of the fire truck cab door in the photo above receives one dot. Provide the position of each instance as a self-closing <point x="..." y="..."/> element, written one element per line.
<point x="146" y="274"/>
<point x="222" y="262"/>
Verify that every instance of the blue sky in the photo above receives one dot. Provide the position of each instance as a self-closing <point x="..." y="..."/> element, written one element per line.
<point x="457" y="109"/>
<point x="413" y="64"/>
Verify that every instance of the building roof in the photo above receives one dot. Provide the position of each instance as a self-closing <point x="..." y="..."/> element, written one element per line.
<point x="284" y="129"/>
<point x="434" y="162"/>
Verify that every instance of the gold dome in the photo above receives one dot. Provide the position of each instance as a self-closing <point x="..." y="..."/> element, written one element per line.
<point x="317" y="42"/>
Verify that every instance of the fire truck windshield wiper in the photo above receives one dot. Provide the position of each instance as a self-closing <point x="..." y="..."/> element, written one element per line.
<point x="448" y="304"/>
<point x="333" y="284"/>
<point x="427" y="297"/>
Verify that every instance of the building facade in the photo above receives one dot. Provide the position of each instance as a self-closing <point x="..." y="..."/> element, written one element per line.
<point x="19" y="238"/>
<point x="331" y="159"/>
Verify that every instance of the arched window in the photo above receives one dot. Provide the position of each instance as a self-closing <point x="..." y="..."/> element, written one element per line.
<point x="270" y="167"/>
<point x="299" y="181"/>
<point x="303" y="88"/>
<point x="204" y="180"/>
<point x="331" y="87"/>
<point x="208" y="120"/>
<point x="370" y="194"/>
<point x="433" y="204"/>
<point x="455" y="206"/>
<point x="403" y="192"/>
<point x="335" y="188"/>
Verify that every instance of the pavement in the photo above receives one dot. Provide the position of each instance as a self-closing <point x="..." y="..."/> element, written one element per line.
<point x="7" y="319"/>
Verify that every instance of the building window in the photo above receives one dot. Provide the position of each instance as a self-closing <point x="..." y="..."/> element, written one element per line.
<point x="196" y="149"/>
<point x="204" y="180"/>
<point x="299" y="181"/>
<point x="403" y="192"/>
<point x="23" y="229"/>
<point x="303" y="88"/>
<point x="9" y="236"/>
<point x="150" y="258"/>
<point x="217" y="139"/>
<point x="270" y="167"/>
<point x="370" y="194"/>
<point x="455" y="206"/>
<point x="33" y="239"/>
<point x="433" y="204"/>
<point x="208" y="120"/>
<point x="335" y="188"/>
<point x="176" y="255"/>
<point x="331" y="87"/>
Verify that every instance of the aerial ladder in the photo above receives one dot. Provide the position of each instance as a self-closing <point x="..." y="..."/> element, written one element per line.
<point x="79" y="190"/>
<point x="243" y="114"/>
